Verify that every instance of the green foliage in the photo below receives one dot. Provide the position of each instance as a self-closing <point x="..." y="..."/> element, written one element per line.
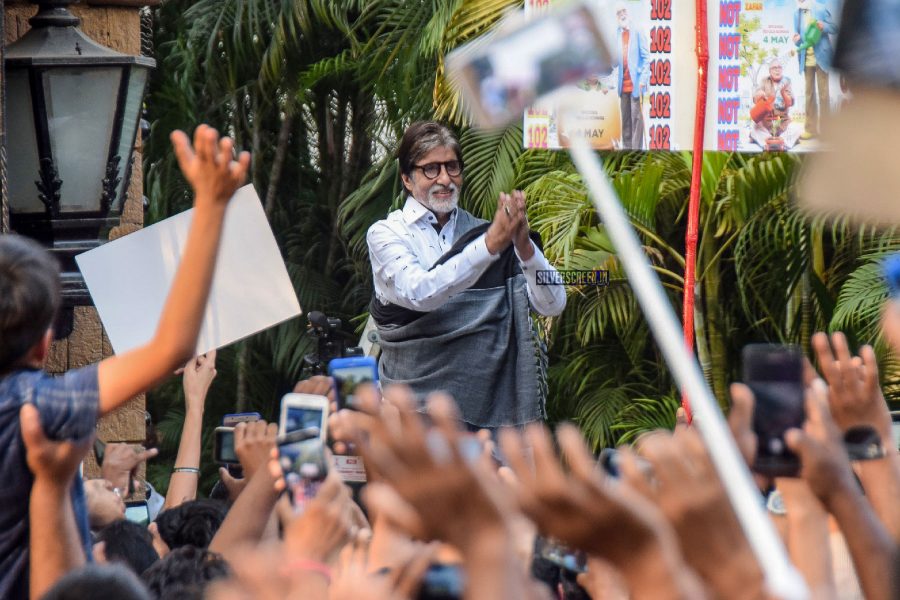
<point x="321" y="90"/>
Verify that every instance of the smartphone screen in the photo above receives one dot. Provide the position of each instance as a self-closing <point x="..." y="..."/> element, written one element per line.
<point x="442" y="582"/>
<point x="303" y="417"/>
<point x="775" y="375"/>
<point x="347" y="379"/>
<point x="224" y="446"/>
<point x="138" y="512"/>
<point x="301" y="455"/>
<point x="561" y="555"/>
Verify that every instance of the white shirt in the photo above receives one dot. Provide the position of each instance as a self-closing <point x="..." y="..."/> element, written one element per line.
<point x="405" y="245"/>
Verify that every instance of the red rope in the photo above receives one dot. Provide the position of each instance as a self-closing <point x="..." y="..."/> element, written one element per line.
<point x="690" y="255"/>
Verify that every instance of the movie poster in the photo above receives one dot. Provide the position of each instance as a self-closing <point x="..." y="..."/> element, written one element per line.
<point x="772" y="75"/>
<point x="647" y="98"/>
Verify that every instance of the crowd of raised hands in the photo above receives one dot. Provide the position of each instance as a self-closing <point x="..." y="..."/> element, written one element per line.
<point x="438" y="495"/>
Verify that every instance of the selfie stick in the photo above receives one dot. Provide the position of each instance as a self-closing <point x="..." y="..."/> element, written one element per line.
<point x="783" y="580"/>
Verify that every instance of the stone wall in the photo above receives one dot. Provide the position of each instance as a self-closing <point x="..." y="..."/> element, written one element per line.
<point x="117" y="26"/>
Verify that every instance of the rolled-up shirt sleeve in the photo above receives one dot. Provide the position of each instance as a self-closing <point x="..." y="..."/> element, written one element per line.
<point x="547" y="300"/>
<point x="400" y="279"/>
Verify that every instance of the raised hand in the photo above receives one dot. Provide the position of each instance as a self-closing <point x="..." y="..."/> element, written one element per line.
<point x="609" y="520"/>
<point x="199" y="373"/>
<point x="855" y="396"/>
<point x="688" y="491"/>
<point x="254" y="443"/>
<point x="506" y="224"/>
<point x="209" y="165"/>
<point x="121" y="463"/>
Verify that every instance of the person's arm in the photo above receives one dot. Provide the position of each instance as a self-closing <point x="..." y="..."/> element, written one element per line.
<point x="214" y="177"/>
<point x="198" y="376"/>
<point x="54" y="543"/>
<point x="249" y="515"/>
<point x="547" y="300"/>
<point x="808" y="541"/>
<point x="855" y="399"/>
<point x="826" y="468"/>
<point x="400" y="278"/>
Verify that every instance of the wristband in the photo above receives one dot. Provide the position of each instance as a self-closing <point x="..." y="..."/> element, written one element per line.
<point x="312" y="566"/>
<point x="186" y="470"/>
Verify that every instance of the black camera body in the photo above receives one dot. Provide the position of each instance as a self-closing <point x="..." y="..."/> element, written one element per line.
<point x="331" y="343"/>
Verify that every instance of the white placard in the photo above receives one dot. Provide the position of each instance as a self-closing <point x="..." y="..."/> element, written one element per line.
<point x="129" y="278"/>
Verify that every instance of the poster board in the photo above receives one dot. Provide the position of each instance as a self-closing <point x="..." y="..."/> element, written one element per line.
<point x="747" y="109"/>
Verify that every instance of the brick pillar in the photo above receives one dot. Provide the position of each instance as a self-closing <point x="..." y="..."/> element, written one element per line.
<point x="115" y="24"/>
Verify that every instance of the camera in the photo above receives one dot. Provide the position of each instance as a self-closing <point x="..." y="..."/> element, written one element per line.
<point x="331" y="343"/>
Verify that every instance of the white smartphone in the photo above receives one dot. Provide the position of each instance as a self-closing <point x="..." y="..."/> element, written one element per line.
<point x="302" y="411"/>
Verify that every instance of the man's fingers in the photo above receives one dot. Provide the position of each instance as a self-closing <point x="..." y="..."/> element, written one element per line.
<point x="809" y="372"/>
<point x="181" y="144"/>
<point x="146" y="454"/>
<point x="841" y="348"/>
<point x="576" y="452"/>
<point x="514" y="453"/>
<point x="740" y="417"/>
<point x="797" y="441"/>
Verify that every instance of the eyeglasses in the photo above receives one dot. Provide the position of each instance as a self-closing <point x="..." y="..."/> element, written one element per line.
<point x="433" y="170"/>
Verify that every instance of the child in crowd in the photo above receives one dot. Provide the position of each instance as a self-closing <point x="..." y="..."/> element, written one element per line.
<point x="70" y="405"/>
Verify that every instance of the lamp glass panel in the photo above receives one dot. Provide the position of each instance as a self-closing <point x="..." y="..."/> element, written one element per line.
<point x="131" y="118"/>
<point x="81" y="108"/>
<point x="22" y="160"/>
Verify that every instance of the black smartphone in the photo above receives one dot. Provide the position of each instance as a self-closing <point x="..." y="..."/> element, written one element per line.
<point x="301" y="455"/>
<point x="442" y="582"/>
<point x="138" y="512"/>
<point x="223" y="451"/>
<point x="775" y="375"/>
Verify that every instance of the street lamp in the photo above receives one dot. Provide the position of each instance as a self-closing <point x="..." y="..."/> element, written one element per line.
<point x="73" y="108"/>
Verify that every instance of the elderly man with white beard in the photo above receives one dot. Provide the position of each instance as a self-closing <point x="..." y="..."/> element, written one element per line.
<point x="454" y="293"/>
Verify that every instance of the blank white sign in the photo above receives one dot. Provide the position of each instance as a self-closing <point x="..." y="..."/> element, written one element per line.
<point x="129" y="278"/>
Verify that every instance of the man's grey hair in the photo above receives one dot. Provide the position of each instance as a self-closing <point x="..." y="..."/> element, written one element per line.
<point x="421" y="138"/>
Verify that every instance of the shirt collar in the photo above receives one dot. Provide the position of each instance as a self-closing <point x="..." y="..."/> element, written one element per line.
<point x="413" y="210"/>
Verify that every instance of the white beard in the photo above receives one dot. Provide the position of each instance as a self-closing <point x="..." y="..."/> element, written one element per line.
<point x="804" y="4"/>
<point x="438" y="205"/>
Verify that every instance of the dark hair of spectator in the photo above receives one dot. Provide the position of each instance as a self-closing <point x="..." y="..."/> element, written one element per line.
<point x="99" y="581"/>
<point x="128" y="543"/>
<point x="184" y="573"/>
<point x="193" y="523"/>
<point x="422" y="137"/>
<point x="29" y="297"/>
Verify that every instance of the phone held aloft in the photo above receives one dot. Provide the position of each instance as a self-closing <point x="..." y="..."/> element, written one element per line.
<point x="774" y="374"/>
<point x="348" y="373"/>
<point x="304" y="464"/>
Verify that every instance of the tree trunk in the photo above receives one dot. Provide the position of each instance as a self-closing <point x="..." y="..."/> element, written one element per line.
<point x="284" y="137"/>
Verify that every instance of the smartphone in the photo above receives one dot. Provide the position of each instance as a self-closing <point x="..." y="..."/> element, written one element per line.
<point x="561" y="555"/>
<point x="775" y="375"/>
<point x="235" y="418"/>
<point x="527" y="60"/>
<point x="301" y="454"/>
<point x="138" y="512"/>
<point x="348" y="373"/>
<point x="895" y="427"/>
<point x="223" y="450"/>
<point x="891" y="270"/>
<point x="442" y="582"/>
<point x="302" y="411"/>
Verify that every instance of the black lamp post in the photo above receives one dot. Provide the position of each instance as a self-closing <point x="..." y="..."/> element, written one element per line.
<point x="73" y="108"/>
